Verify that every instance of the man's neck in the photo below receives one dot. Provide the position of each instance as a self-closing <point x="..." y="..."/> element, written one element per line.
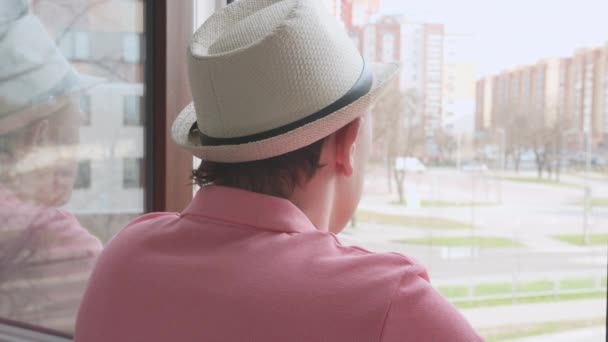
<point x="316" y="202"/>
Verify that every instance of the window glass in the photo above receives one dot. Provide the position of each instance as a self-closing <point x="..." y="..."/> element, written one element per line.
<point x="71" y="116"/>
<point x="85" y="108"/>
<point x="132" y="173"/>
<point x="506" y="198"/>
<point x="133" y="110"/>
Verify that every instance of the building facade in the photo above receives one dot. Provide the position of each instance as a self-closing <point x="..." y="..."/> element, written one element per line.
<point x="419" y="48"/>
<point x="573" y="90"/>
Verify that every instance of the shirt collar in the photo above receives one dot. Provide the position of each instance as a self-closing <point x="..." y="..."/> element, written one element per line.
<point x="247" y="208"/>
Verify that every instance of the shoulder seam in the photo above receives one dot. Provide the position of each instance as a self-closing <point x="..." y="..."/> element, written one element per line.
<point x="388" y="309"/>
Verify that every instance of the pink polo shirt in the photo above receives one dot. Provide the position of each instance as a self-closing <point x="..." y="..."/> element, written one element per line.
<point x="241" y="266"/>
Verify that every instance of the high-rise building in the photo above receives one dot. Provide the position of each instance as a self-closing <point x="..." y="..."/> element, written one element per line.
<point x="459" y="86"/>
<point x="353" y="13"/>
<point x="459" y="99"/>
<point x="573" y="90"/>
<point x="484" y="91"/>
<point x="419" y="48"/>
<point x="589" y="84"/>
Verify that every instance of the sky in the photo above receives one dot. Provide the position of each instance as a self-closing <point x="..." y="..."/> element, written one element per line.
<point x="501" y="34"/>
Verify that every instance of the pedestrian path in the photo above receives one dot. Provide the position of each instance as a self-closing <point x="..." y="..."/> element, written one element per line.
<point x="594" y="334"/>
<point x="533" y="313"/>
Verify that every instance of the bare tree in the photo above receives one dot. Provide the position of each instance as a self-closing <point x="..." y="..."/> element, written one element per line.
<point x="446" y="143"/>
<point x="397" y="131"/>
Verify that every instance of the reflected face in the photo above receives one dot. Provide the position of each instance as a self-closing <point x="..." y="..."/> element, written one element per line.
<point x="46" y="158"/>
<point x="64" y="136"/>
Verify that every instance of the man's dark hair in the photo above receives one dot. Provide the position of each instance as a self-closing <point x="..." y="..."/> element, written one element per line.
<point x="277" y="176"/>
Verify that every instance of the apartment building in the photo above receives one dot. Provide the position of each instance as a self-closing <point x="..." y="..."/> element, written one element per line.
<point x="572" y="89"/>
<point x="419" y="48"/>
<point x="353" y="13"/>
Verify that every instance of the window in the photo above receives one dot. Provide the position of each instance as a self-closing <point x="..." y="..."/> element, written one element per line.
<point x="75" y="44"/>
<point x="388" y="47"/>
<point x="132" y="171"/>
<point x="71" y="182"/>
<point x="85" y="107"/>
<point x="133" y="110"/>
<point x="132" y="47"/>
<point x="81" y="45"/>
<point x="83" y="175"/>
<point x="369" y="43"/>
<point x="511" y="216"/>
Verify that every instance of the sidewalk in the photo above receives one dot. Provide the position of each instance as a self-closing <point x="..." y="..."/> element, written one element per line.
<point x="596" y="334"/>
<point x="520" y="314"/>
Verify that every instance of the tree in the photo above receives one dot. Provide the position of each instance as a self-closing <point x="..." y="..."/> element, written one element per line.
<point x="397" y="130"/>
<point x="446" y="143"/>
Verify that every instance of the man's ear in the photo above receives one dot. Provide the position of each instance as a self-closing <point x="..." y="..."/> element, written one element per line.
<point x="345" y="146"/>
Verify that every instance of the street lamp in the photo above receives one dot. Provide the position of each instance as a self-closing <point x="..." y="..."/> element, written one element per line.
<point x="502" y="160"/>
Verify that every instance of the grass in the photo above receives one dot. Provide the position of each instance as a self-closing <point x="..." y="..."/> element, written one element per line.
<point x="544" y="181"/>
<point x="536" y="299"/>
<point x="519" y="331"/>
<point x="594" y="239"/>
<point x="595" y="202"/>
<point x="536" y="286"/>
<point x="454" y="293"/>
<point x="492" y="289"/>
<point x="410" y="221"/>
<point x="577" y="283"/>
<point x="483" y="242"/>
<point x="445" y="204"/>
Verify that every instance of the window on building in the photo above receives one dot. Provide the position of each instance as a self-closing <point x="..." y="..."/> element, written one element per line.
<point x="132" y="173"/>
<point x="85" y="108"/>
<point x="75" y="45"/>
<point x="388" y="47"/>
<point x="81" y="45"/>
<point x="132" y="47"/>
<point x="369" y="43"/>
<point x="83" y="175"/>
<point x="133" y="106"/>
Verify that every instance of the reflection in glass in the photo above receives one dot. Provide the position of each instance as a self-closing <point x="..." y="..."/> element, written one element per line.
<point x="45" y="254"/>
<point x="71" y="112"/>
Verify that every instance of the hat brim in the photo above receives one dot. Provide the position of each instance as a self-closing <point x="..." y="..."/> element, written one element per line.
<point x="42" y="109"/>
<point x="183" y="134"/>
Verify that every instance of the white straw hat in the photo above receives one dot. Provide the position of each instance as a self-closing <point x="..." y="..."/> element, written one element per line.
<point x="269" y="77"/>
<point x="35" y="78"/>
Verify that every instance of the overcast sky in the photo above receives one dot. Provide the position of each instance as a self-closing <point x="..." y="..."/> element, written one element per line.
<point x="506" y="33"/>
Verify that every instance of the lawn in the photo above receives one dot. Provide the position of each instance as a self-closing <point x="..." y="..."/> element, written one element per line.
<point x="536" y="299"/>
<point x="458" y="293"/>
<point x="577" y="239"/>
<point x="410" y="221"/>
<point x="595" y="202"/>
<point x="544" y="181"/>
<point x="478" y="241"/>
<point x="513" y="332"/>
<point x="577" y="283"/>
<point x="446" y="204"/>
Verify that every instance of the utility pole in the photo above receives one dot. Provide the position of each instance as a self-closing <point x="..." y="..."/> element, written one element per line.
<point x="587" y="195"/>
